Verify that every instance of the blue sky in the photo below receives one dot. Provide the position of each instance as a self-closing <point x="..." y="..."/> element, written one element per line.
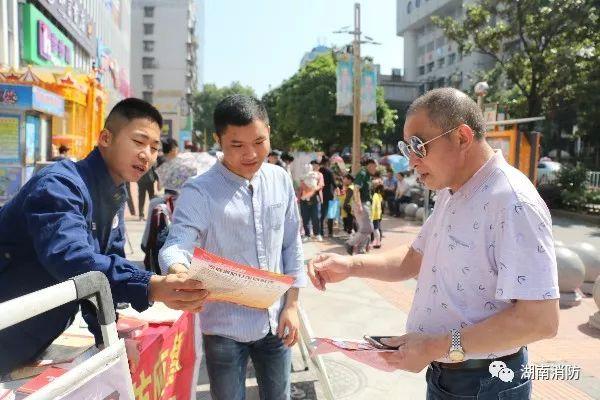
<point x="261" y="42"/>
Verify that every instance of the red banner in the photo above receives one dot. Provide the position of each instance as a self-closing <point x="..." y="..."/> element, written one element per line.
<point x="166" y="361"/>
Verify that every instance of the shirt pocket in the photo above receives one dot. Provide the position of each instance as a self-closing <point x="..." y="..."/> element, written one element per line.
<point x="275" y="216"/>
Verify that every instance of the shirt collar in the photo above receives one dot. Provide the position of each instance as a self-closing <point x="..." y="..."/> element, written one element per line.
<point x="97" y="171"/>
<point x="481" y="176"/>
<point x="234" y="178"/>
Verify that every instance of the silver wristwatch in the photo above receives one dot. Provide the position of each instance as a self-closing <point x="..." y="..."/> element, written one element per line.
<point x="456" y="352"/>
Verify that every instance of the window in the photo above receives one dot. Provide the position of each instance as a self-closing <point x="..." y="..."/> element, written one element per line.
<point x="148" y="62"/>
<point x="148" y="45"/>
<point x="441" y="62"/>
<point x="430" y="66"/>
<point x="148" y="29"/>
<point x="422" y="70"/>
<point x="451" y="58"/>
<point x="148" y="12"/>
<point x="417" y="3"/>
<point x="421" y="89"/>
<point x="148" y="96"/>
<point x="409" y="7"/>
<point x="441" y="82"/>
<point x="430" y="46"/>
<point x="148" y="81"/>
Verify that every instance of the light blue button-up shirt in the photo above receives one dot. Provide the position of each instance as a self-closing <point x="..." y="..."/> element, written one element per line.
<point x="254" y="222"/>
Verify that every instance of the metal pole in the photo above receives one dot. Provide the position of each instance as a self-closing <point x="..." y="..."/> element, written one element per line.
<point x="356" y="153"/>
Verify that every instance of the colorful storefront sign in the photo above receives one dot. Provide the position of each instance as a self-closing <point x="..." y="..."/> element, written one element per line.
<point x="29" y="97"/>
<point x="74" y="16"/>
<point x="43" y="42"/>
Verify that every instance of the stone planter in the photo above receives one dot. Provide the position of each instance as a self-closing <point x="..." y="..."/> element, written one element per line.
<point x="590" y="256"/>
<point x="571" y="273"/>
<point x="410" y="211"/>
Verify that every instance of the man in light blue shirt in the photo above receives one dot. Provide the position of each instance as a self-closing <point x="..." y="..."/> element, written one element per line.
<point x="245" y="210"/>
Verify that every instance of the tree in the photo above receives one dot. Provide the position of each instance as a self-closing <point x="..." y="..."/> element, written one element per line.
<point x="205" y="102"/>
<point x="537" y="45"/>
<point x="302" y="111"/>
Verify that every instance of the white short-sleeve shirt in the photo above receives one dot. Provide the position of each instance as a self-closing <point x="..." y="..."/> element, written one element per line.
<point x="483" y="246"/>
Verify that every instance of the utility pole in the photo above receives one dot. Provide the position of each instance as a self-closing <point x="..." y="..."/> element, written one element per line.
<point x="356" y="150"/>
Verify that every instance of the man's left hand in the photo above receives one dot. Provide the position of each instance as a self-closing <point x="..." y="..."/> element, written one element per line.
<point x="288" y="321"/>
<point x="416" y="350"/>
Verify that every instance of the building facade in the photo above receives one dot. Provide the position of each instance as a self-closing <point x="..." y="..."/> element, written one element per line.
<point x="9" y="34"/>
<point x="429" y="57"/>
<point x="164" y="59"/>
<point x="76" y="34"/>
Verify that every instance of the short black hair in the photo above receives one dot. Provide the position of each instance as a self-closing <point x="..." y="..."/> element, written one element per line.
<point x="324" y="160"/>
<point x="350" y="177"/>
<point x="287" y="157"/>
<point x="275" y="153"/>
<point x="63" y="149"/>
<point x="168" y="144"/>
<point x="238" y="110"/>
<point x="368" y="161"/>
<point x="129" y="109"/>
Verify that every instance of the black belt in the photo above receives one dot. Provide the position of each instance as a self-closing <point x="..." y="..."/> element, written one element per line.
<point x="478" y="363"/>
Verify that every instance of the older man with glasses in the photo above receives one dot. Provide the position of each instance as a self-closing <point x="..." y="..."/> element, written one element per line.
<point x="484" y="260"/>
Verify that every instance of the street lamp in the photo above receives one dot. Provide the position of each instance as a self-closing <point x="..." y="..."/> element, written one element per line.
<point x="481" y="90"/>
<point x="356" y="153"/>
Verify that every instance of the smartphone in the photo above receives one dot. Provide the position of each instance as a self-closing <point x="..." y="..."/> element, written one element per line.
<point x="375" y="341"/>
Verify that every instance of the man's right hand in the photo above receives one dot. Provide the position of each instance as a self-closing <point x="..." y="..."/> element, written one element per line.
<point x="329" y="268"/>
<point x="178" y="291"/>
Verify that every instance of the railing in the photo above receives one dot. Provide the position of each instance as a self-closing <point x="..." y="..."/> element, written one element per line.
<point x="593" y="179"/>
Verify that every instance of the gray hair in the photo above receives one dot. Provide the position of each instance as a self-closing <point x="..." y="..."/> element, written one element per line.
<point x="448" y="108"/>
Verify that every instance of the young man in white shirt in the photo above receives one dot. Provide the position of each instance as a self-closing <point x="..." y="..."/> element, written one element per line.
<point x="485" y="261"/>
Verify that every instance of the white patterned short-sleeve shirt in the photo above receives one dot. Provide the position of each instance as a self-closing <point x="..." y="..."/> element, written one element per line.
<point x="483" y="246"/>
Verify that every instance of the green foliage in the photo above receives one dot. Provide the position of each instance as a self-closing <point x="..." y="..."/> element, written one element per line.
<point x="205" y="102"/>
<point x="302" y="111"/>
<point x="572" y="181"/>
<point x="541" y="48"/>
<point x="573" y="178"/>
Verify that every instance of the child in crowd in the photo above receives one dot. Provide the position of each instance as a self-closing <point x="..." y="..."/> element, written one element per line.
<point x="377" y="214"/>
<point x="346" y="203"/>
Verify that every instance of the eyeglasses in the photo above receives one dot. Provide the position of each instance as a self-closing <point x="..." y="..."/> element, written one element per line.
<point x="417" y="146"/>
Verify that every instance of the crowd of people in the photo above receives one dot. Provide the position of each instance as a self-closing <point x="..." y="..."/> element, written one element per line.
<point x="327" y="200"/>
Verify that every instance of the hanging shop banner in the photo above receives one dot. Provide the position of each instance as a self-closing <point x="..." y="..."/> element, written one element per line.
<point x="9" y="139"/>
<point x="368" y="104"/>
<point x="43" y="42"/>
<point x="344" y="85"/>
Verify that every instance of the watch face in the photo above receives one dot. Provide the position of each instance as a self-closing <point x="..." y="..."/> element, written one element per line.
<point x="456" y="355"/>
